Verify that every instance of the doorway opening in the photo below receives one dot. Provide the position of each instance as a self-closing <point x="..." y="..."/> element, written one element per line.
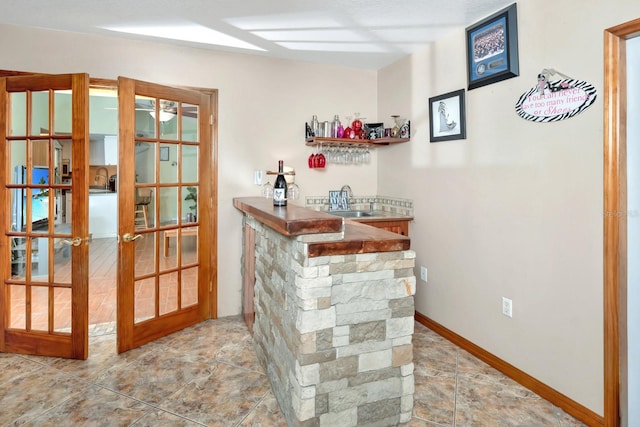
<point x="103" y="214"/>
<point x="618" y="267"/>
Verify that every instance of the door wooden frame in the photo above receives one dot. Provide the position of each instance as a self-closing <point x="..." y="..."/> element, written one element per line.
<point x="48" y="343"/>
<point x="615" y="219"/>
<point x="213" y="200"/>
<point x="130" y="333"/>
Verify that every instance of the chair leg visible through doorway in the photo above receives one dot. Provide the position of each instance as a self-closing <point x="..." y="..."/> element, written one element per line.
<point x="141" y="213"/>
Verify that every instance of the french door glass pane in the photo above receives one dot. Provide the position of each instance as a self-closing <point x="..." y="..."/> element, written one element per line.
<point x="18" y="125"/>
<point x="40" y="113"/>
<point x="168" y="121"/>
<point x="189" y="163"/>
<point x="189" y="204"/>
<point x="168" y="293"/>
<point x="145" y="113"/>
<point x="144" y="299"/>
<point x="40" y="153"/>
<point x="189" y="246"/>
<point x="62" y="116"/>
<point x="145" y="162"/>
<point x="169" y="257"/>
<point x="40" y="259"/>
<point x="190" y="123"/>
<point x="168" y="206"/>
<point x="189" y="286"/>
<point x="18" y="162"/>
<point x="17" y="311"/>
<point x="62" y="262"/>
<point x="145" y="255"/>
<point x="62" y="309"/>
<point x="18" y="258"/>
<point x="39" y="308"/>
<point x="168" y="163"/>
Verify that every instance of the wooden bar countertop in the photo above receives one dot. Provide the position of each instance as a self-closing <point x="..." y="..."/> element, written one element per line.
<point x="295" y="220"/>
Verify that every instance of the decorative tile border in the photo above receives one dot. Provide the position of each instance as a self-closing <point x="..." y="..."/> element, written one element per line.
<point x="377" y="203"/>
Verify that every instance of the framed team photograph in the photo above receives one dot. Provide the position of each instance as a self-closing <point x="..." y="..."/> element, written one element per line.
<point x="447" y="117"/>
<point x="492" y="48"/>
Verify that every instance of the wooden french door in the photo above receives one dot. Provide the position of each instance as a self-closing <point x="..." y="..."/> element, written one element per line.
<point x="44" y="260"/>
<point x="165" y="199"/>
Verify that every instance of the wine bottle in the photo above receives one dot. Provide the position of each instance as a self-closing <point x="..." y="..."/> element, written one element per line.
<point x="280" y="187"/>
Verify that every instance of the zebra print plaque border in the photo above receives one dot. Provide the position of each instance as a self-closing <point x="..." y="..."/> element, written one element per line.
<point x="558" y="100"/>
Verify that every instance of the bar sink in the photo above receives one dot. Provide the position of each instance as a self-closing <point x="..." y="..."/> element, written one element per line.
<point x="352" y="214"/>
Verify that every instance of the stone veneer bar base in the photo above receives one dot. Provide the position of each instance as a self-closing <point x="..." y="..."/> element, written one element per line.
<point x="334" y="333"/>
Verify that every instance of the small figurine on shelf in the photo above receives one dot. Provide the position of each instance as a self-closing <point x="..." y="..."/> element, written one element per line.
<point x="395" y="130"/>
<point x="356" y="126"/>
<point x="405" y="129"/>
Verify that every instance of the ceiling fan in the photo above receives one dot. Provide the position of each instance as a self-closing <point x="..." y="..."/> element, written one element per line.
<point x="168" y="109"/>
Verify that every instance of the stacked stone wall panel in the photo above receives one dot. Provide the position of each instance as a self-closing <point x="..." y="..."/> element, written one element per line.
<point x="334" y="332"/>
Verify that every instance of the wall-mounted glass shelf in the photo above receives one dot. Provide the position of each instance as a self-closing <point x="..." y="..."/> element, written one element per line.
<point x="312" y="142"/>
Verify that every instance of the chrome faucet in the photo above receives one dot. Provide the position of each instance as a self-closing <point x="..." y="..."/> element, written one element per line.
<point x="346" y="190"/>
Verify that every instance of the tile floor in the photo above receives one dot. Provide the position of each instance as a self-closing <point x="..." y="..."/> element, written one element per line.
<point x="208" y="375"/>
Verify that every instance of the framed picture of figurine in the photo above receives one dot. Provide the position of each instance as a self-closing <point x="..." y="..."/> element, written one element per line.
<point x="447" y="117"/>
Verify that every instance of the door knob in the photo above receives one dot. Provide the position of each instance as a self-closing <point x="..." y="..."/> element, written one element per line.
<point x="128" y="237"/>
<point x="77" y="241"/>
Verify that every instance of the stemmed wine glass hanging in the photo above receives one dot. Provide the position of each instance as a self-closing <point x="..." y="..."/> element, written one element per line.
<point x="352" y="154"/>
<point x="317" y="159"/>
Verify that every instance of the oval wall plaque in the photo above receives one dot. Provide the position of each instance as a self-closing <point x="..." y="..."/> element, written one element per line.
<point x="557" y="100"/>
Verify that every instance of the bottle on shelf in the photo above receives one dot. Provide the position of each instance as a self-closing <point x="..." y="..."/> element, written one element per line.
<point x="335" y="127"/>
<point x="315" y="126"/>
<point x="280" y="187"/>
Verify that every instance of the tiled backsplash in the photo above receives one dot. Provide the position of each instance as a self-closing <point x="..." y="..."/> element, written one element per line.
<point x="365" y="203"/>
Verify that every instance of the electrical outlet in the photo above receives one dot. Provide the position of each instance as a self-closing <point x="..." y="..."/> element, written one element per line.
<point x="507" y="307"/>
<point x="423" y="273"/>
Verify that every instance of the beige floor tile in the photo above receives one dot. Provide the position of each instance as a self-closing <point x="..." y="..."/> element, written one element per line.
<point x="158" y="418"/>
<point x="266" y="413"/>
<point x="433" y="398"/>
<point x="481" y="403"/>
<point x="156" y="375"/>
<point x="29" y="396"/>
<point x="93" y="407"/>
<point x="12" y="366"/>
<point x="223" y="398"/>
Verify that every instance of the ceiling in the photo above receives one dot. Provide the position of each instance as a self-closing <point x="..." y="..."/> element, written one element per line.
<point x="368" y="34"/>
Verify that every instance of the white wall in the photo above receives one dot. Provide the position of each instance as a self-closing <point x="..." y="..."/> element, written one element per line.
<point x="633" y="233"/>
<point x="263" y="105"/>
<point x="514" y="210"/>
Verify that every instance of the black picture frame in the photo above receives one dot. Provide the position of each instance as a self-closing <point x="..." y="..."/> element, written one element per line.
<point x="447" y="119"/>
<point x="492" y="48"/>
<point x="374" y="130"/>
<point x="164" y="154"/>
<point x="66" y="168"/>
